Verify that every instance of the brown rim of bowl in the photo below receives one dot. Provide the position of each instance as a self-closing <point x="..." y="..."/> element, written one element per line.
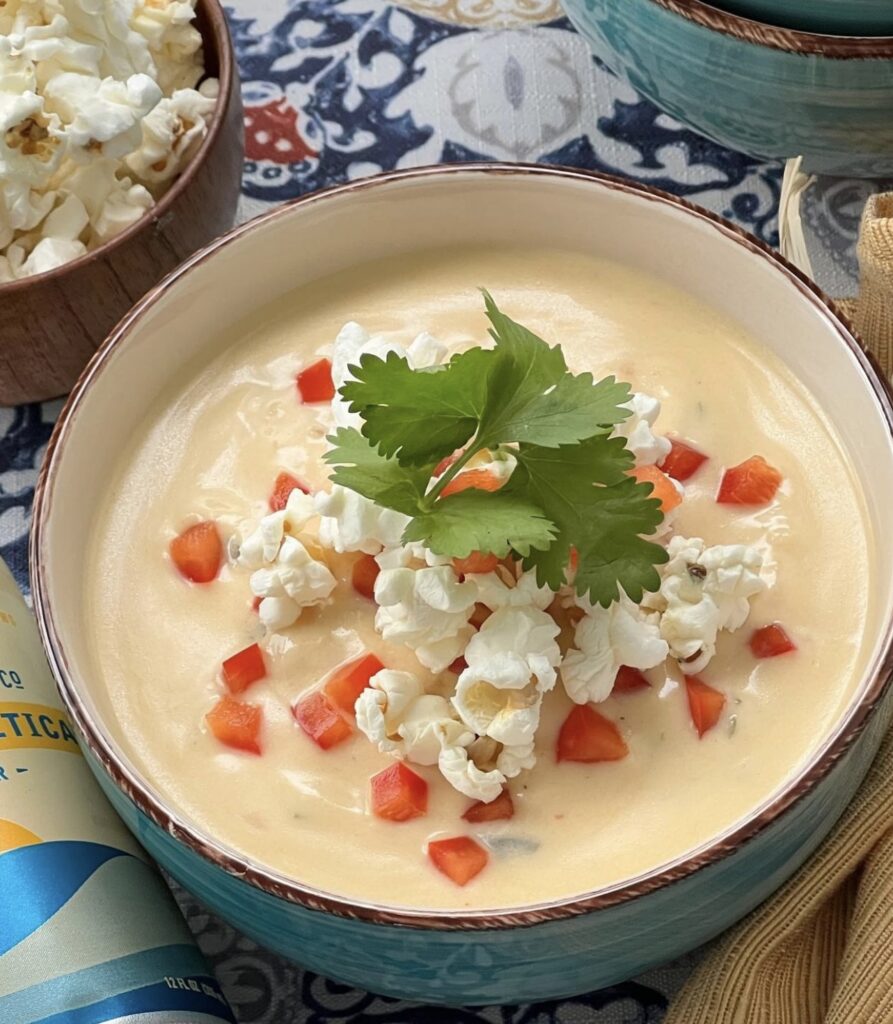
<point x="877" y="676"/>
<point x="210" y="16"/>
<point x="791" y="40"/>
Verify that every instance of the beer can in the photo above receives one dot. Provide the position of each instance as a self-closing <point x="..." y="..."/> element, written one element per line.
<point x="89" y="932"/>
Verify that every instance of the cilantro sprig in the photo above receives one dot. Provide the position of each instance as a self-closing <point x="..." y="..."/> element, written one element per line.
<point x="569" y="489"/>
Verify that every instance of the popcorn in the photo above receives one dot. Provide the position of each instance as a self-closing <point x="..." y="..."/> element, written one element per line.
<point x="381" y="706"/>
<point x="648" y="447"/>
<point x="350" y="522"/>
<point x="262" y="545"/>
<point x="605" y="639"/>
<point x="295" y="581"/>
<point x="702" y="591"/>
<point x="462" y="773"/>
<point x="354" y="341"/>
<point x="89" y="90"/>
<point x="495" y="591"/>
<point x="426" y="609"/>
<point x="170" y="134"/>
<point x="286" y="577"/>
<point x="429" y="726"/>
<point x="513" y="647"/>
<point x="102" y="115"/>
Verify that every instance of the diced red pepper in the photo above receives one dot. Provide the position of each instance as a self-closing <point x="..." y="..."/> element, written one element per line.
<point x="236" y="724"/>
<point x="589" y="737"/>
<point x="479" y="615"/>
<point x="458" y="666"/>
<point x="770" y="641"/>
<point x="754" y="482"/>
<point x="459" y="858"/>
<point x="346" y="684"/>
<point x="364" y="574"/>
<point x="315" y="382"/>
<point x="704" y="703"/>
<point x="479" y="479"/>
<point x="573" y="560"/>
<point x="244" y="668"/>
<point x="662" y="487"/>
<point x="398" y="794"/>
<point x="628" y="680"/>
<point x="499" y="809"/>
<point x="322" y="722"/>
<point x="446" y="462"/>
<point x="477" y="561"/>
<point x="683" y="461"/>
<point x="198" y="552"/>
<point x="255" y="604"/>
<point x="285" y="484"/>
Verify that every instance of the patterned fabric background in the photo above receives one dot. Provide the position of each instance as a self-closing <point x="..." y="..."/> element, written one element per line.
<point x="338" y="89"/>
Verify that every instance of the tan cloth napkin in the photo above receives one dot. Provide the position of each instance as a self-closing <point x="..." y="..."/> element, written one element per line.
<point x="821" y="950"/>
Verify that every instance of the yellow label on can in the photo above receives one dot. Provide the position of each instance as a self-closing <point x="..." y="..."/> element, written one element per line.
<point x="35" y="726"/>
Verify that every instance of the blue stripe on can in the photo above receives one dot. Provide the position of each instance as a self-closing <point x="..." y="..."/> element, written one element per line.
<point x="163" y="973"/>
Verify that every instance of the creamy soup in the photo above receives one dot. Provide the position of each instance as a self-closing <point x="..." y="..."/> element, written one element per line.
<point x="215" y="443"/>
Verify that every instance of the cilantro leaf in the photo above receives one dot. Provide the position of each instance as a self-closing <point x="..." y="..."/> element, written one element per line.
<point x="599" y="510"/>
<point x="493" y="521"/>
<point x="361" y="468"/>
<point x="419" y="415"/>
<point x="532" y="396"/>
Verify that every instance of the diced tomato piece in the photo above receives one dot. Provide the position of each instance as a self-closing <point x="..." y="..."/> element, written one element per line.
<point x="364" y="574"/>
<point x="588" y="736"/>
<point x="398" y="794"/>
<point x="315" y="382"/>
<point x="499" y="809"/>
<point x="479" y="615"/>
<point x="704" y="703"/>
<point x="198" y="552"/>
<point x="754" y="482"/>
<point x="477" y="561"/>
<point x="236" y="724"/>
<point x="480" y="479"/>
<point x="663" y="487"/>
<point x="457" y="666"/>
<point x="244" y="668"/>
<point x="459" y="858"/>
<point x="683" y="461"/>
<point x="445" y="463"/>
<point x="348" y="682"/>
<point x="770" y="641"/>
<point x="285" y="484"/>
<point x="628" y="680"/>
<point x="322" y="722"/>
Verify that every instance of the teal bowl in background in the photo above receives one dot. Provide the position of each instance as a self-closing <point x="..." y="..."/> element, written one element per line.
<point x="768" y="91"/>
<point x="840" y="17"/>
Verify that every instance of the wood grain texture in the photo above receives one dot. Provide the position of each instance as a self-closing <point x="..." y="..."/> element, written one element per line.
<point x="50" y="325"/>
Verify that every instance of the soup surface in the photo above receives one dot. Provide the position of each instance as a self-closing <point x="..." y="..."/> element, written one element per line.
<point x="215" y="443"/>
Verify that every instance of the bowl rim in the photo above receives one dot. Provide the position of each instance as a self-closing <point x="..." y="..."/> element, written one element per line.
<point x="876" y="676"/>
<point x="218" y="30"/>
<point x="776" y="37"/>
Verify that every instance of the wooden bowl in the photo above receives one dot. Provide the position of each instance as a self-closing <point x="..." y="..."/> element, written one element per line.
<point x="51" y="324"/>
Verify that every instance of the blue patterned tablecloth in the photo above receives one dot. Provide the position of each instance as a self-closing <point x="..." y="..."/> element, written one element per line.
<point x="338" y="89"/>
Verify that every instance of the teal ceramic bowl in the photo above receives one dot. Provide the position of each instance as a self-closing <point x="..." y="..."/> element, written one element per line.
<point x="768" y="91"/>
<point x="542" y="950"/>
<point x="839" y="17"/>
